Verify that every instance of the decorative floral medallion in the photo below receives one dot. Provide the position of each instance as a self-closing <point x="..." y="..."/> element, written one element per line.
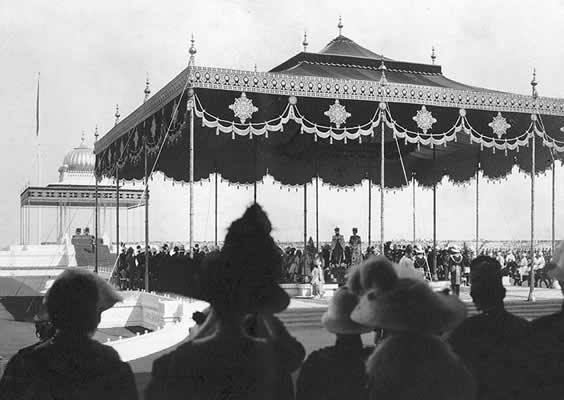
<point x="337" y="114"/>
<point x="424" y="119"/>
<point x="243" y="108"/>
<point x="499" y="125"/>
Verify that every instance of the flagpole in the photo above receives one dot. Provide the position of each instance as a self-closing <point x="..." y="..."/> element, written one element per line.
<point x="38" y="157"/>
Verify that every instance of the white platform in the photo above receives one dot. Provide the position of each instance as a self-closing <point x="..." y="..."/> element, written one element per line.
<point x="40" y="256"/>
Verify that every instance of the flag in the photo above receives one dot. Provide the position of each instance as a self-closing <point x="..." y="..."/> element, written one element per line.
<point x="37" y="107"/>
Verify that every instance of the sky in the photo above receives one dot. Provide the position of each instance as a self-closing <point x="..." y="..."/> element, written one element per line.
<point x="94" y="55"/>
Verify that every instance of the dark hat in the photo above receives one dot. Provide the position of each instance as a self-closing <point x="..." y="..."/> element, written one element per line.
<point x="244" y="275"/>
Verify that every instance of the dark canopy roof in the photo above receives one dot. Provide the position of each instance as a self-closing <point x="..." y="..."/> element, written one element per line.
<point x="321" y="114"/>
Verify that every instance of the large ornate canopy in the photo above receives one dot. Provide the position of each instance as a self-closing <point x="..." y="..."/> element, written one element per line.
<point x="322" y="114"/>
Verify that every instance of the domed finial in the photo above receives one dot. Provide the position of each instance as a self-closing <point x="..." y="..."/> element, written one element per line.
<point x="534" y="84"/>
<point x="433" y="55"/>
<point x="147" y="90"/>
<point x="305" y="43"/>
<point x="340" y="25"/>
<point x="117" y="114"/>
<point x="192" y="50"/>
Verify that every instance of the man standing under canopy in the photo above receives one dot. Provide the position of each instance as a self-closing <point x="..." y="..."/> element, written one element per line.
<point x="356" y="247"/>
<point x="420" y="262"/>
<point x="455" y="267"/>
<point x="337" y="248"/>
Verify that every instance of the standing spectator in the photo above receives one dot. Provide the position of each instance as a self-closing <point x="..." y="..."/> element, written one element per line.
<point x="546" y="357"/>
<point x="337" y="372"/>
<point x="229" y="363"/>
<point x="412" y="362"/>
<point x="317" y="277"/>
<point x="455" y="268"/>
<point x="406" y="262"/>
<point x="524" y="266"/>
<point x="538" y="264"/>
<point x="409" y="366"/>
<point x="355" y="244"/>
<point x="489" y="343"/>
<point x="71" y="365"/>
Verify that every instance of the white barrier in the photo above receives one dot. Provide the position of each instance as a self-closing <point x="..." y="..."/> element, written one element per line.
<point x="169" y="318"/>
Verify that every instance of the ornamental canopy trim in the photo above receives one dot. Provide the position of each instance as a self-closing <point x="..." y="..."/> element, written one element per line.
<point x="331" y="88"/>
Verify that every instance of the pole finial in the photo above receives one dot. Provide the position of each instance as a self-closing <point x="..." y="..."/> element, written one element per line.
<point x="147" y="90"/>
<point x="382" y="68"/>
<point x="534" y="84"/>
<point x="96" y="133"/>
<point x="255" y="67"/>
<point x="82" y="138"/>
<point x="192" y="50"/>
<point x="340" y="25"/>
<point x="305" y="43"/>
<point x="117" y="114"/>
<point x="433" y="55"/>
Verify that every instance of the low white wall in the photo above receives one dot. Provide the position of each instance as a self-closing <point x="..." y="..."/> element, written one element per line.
<point x="48" y="255"/>
<point x="170" y="318"/>
<point x="306" y="289"/>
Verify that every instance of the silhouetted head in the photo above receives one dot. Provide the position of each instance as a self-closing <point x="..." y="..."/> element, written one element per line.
<point x="72" y="304"/>
<point x="487" y="289"/>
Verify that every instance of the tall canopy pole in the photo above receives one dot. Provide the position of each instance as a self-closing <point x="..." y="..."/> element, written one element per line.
<point x="117" y="115"/>
<point x="434" y="210"/>
<point x="533" y="171"/>
<point x="215" y="212"/>
<point x="369" y="211"/>
<point x="305" y="216"/>
<point x="477" y="207"/>
<point x="117" y="209"/>
<point x="146" y="215"/>
<point x="190" y="105"/>
<point x="382" y="189"/>
<point x="95" y="213"/>
<point x="317" y="212"/>
<point x="553" y="242"/>
<point x="413" y="183"/>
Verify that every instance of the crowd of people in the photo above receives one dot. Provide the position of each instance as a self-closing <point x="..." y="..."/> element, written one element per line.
<point x="424" y="346"/>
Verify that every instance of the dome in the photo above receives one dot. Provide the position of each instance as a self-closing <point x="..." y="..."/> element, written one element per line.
<point x="80" y="159"/>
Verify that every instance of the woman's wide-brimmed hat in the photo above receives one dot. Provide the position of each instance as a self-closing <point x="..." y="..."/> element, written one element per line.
<point x="337" y="319"/>
<point x="411" y="306"/>
<point x="244" y="275"/>
<point x="376" y="272"/>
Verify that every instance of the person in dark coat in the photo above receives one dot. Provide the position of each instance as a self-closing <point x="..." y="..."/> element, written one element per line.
<point x="223" y="361"/>
<point x="546" y="345"/>
<point x="71" y="365"/>
<point x="489" y="343"/>
<point x="337" y="372"/>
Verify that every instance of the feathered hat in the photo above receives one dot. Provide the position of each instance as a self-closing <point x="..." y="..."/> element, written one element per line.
<point x="244" y="275"/>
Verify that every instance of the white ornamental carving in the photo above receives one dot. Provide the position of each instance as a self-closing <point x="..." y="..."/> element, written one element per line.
<point x="424" y="119"/>
<point x="243" y="108"/>
<point x="337" y="113"/>
<point x="499" y="125"/>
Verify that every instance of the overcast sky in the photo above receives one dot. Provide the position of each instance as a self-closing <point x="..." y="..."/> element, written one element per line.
<point x="95" y="54"/>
